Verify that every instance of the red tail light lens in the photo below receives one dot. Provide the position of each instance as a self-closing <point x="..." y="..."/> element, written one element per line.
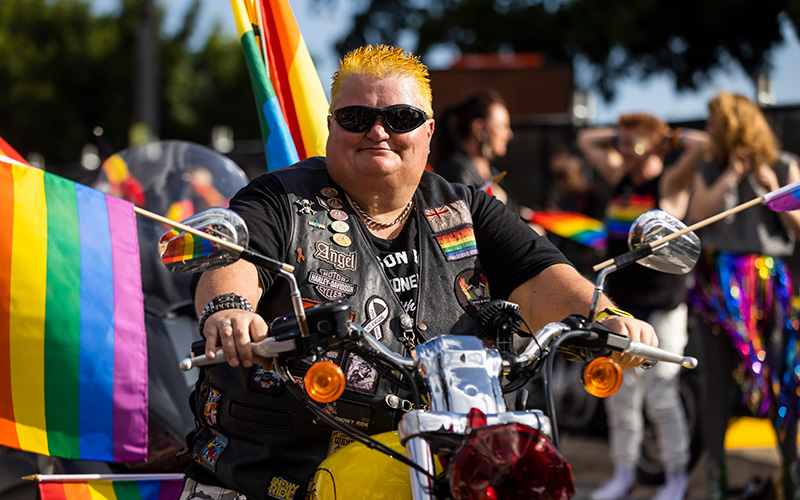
<point x="509" y="461"/>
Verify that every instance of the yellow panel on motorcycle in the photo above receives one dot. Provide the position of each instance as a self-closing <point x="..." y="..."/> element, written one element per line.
<point x="324" y="382"/>
<point x="602" y="377"/>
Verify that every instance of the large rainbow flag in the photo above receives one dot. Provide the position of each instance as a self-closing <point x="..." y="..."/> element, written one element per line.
<point x="119" y="489"/>
<point x="577" y="227"/>
<point x="73" y="350"/>
<point x="289" y="96"/>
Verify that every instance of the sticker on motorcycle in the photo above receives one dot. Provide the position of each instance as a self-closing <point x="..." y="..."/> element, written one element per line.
<point x="338" y="440"/>
<point x="265" y="381"/>
<point x="472" y="290"/>
<point x="213" y="449"/>
<point x="284" y="487"/>
<point x="360" y="376"/>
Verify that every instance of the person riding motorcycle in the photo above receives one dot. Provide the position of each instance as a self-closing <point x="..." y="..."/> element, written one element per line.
<point x="415" y="256"/>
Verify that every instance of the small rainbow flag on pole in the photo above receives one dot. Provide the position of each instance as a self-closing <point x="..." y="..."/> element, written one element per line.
<point x="784" y="199"/>
<point x="109" y="486"/>
<point x="577" y="227"/>
<point x="73" y="350"/>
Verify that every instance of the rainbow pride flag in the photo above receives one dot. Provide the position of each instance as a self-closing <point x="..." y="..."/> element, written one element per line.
<point x="73" y="350"/>
<point x="278" y="144"/>
<point x="7" y="151"/>
<point x="458" y="244"/>
<point x="572" y="225"/>
<point x="784" y="199"/>
<point x="121" y="489"/>
<point x="178" y="246"/>
<point x="296" y="82"/>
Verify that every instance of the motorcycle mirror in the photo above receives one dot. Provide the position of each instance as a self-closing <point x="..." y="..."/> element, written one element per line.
<point x="182" y="252"/>
<point x="677" y="257"/>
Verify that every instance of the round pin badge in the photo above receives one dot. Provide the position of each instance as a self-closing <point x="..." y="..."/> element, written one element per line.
<point x="335" y="203"/>
<point x="328" y="191"/>
<point x="341" y="239"/>
<point x="340" y="226"/>
<point x="338" y="215"/>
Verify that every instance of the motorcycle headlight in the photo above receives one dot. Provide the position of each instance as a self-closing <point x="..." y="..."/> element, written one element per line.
<point x="509" y="461"/>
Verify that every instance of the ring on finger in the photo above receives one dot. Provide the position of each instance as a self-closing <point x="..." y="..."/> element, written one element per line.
<point x="223" y="325"/>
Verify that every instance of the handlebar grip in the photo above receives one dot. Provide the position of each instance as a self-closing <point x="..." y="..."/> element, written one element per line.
<point x="649" y="352"/>
<point x="267" y="348"/>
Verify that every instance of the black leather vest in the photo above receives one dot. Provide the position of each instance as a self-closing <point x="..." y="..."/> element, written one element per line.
<point x="253" y="435"/>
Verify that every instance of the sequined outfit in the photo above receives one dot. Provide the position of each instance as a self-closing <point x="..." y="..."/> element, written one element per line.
<point x="749" y="298"/>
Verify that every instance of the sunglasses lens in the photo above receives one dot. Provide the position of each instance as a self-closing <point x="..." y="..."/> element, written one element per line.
<point x="399" y="118"/>
<point x="355" y="118"/>
<point x="403" y="118"/>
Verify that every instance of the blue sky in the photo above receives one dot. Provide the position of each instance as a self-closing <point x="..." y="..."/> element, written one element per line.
<point x="322" y="25"/>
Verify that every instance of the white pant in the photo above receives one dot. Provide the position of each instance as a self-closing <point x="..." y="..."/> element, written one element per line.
<point x="658" y="390"/>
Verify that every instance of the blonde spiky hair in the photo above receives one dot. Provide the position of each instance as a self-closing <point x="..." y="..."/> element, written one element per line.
<point x="381" y="61"/>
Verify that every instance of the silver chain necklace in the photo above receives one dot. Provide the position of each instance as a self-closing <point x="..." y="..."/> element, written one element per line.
<point x="379" y="223"/>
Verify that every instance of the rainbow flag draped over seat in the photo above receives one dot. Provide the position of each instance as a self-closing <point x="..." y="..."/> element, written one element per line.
<point x="119" y="489"/>
<point x="292" y="106"/>
<point x="575" y="226"/>
<point x="73" y="350"/>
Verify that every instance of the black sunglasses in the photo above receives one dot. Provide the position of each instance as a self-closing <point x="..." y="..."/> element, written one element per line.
<point x="398" y="118"/>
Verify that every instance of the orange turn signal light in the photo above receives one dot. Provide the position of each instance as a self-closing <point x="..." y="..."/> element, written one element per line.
<point x="324" y="382"/>
<point x="602" y="377"/>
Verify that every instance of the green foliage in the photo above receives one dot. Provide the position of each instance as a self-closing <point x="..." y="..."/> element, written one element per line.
<point x="684" y="39"/>
<point x="66" y="71"/>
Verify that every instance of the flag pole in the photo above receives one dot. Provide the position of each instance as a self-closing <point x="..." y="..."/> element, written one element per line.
<point x="696" y="225"/>
<point x="80" y="478"/>
<point x="233" y="247"/>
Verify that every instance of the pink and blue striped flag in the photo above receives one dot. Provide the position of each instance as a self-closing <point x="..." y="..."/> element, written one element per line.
<point x="73" y="350"/>
<point x="784" y="199"/>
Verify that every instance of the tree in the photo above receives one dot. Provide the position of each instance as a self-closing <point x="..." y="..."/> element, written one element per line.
<point x="684" y="39"/>
<point x="66" y="71"/>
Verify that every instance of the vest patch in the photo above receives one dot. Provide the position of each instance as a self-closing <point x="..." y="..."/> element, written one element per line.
<point x="358" y="415"/>
<point x="265" y="381"/>
<point x="458" y="244"/>
<point x="212" y="404"/>
<point x="472" y="290"/>
<point x="344" y="261"/>
<point x="331" y="285"/>
<point x="448" y="216"/>
<point x="377" y="313"/>
<point x="338" y="440"/>
<point x="284" y="487"/>
<point x="213" y="449"/>
<point x="360" y="376"/>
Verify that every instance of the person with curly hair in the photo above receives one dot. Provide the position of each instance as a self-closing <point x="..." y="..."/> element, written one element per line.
<point x="743" y="287"/>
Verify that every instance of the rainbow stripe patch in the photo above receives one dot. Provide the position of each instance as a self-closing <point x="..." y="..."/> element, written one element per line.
<point x="458" y="244"/>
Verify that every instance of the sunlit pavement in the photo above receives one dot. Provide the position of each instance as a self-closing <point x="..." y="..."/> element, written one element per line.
<point x="751" y="453"/>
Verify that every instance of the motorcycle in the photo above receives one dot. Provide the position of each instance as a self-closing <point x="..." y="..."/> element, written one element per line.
<point x="457" y="438"/>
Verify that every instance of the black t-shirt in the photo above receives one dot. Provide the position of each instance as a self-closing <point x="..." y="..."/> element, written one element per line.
<point x="636" y="286"/>
<point x="510" y="252"/>
<point x="399" y="259"/>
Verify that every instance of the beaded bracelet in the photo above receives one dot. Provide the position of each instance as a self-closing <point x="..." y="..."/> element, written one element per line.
<point x="222" y="302"/>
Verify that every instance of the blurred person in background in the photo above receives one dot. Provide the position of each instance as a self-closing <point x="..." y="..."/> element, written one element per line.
<point x="575" y="192"/>
<point x="473" y="133"/>
<point x="743" y="288"/>
<point x="630" y="158"/>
